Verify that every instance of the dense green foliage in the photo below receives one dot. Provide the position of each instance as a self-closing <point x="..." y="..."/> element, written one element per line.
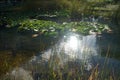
<point x="74" y="7"/>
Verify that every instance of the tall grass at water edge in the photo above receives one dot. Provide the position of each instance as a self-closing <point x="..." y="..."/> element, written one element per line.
<point x="72" y="70"/>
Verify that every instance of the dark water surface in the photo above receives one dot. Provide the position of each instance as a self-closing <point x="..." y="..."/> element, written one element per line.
<point x="72" y="50"/>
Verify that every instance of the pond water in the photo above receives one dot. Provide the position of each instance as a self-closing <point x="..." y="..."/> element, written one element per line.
<point x="70" y="52"/>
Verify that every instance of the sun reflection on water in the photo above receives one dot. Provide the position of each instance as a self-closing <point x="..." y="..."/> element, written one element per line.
<point x="74" y="46"/>
<point x="73" y="42"/>
<point x="71" y="47"/>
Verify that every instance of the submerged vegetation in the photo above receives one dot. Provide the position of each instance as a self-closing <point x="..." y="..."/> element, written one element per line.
<point x="8" y="60"/>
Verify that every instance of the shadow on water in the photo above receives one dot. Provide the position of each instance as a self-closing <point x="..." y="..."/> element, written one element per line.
<point x="17" y="48"/>
<point x="73" y="56"/>
<point x="13" y="40"/>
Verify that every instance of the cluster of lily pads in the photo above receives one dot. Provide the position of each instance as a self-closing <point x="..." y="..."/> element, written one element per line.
<point x="48" y="28"/>
<point x="51" y="28"/>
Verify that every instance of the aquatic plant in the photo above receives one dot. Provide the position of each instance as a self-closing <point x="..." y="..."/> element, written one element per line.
<point x="8" y="60"/>
<point x="53" y="28"/>
<point x="46" y="27"/>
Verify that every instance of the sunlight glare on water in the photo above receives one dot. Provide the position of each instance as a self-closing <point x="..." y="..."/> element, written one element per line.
<point x="71" y="47"/>
<point x="80" y="47"/>
<point x="74" y="46"/>
<point x="73" y="42"/>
